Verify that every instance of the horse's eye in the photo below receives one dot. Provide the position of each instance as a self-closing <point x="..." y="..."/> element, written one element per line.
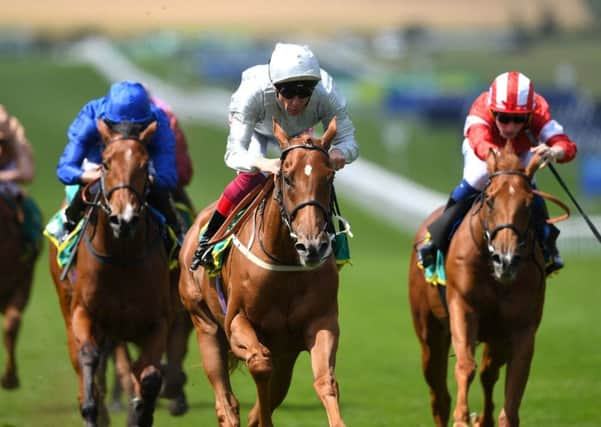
<point x="105" y="165"/>
<point x="490" y="203"/>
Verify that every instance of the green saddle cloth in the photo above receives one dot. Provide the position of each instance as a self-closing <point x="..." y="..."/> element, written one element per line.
<point x="435" y="273"/>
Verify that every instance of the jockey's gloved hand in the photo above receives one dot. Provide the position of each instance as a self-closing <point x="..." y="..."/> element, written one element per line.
<point x="268" y="165"/>
<point x="548" y="154"/>
<point x="337" y="159"/>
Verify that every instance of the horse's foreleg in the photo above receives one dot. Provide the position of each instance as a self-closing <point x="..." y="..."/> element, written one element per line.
<point x="435" y="341"/>
<point x="246" y="345"/>
<point x="463" y="335"/>
<point x="12" y="322"/>
<point x="123" y="376"/>
<point x="213" y="351"/>
<point x="322" y="342"/>
<point x="103" y="413"/>
<point x="517" y="372"/>
<point x="493" y="358"/>
<point x="147" y="377"/>
<point x="88" y="357"/>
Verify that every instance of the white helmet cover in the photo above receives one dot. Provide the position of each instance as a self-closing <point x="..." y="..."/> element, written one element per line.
<point x="291" y="62"/>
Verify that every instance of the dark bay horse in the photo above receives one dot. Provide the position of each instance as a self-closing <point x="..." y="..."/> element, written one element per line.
<point x="278" y="285"/>
<point x="119" y="289"/>
<point x="495" y="289"/>
<point x="16" y="271"/>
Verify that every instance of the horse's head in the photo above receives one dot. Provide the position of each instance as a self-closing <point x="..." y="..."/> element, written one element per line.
<point x="304" y="191"/>
<point x="507" y="210"/>
<point x="125" y="177"/>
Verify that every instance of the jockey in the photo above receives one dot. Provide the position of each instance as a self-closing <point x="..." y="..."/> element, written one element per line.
<point x="126" y="108"/>
<point x="295" y="91"/>
<point x="17" y="167"/>
<point x="511" y="109"/>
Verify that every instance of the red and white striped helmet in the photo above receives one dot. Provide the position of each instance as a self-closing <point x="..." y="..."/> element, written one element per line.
<point x="511" y="92"/>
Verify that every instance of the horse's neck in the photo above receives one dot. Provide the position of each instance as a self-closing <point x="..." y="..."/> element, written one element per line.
<point x="473" y="227"/>
<point x="103" y="239"/>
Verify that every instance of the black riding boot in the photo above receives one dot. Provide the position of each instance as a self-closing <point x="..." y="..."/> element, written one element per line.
<point x="441" y="230"/>
<point x="547" y="236"/>
<point x="203" y="253"/>
<point x="74" y="211"/>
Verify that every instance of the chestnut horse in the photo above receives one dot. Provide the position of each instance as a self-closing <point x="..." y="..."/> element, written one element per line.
<point x="16" y="270"/>
<point x="118" y="290"/>
<point x="277" y="292"/>
<point x="495" y="289"/>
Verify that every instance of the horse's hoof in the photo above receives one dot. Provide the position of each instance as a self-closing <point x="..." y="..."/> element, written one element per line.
<point x="9" y="382"/>
<point x="178" y="406"/>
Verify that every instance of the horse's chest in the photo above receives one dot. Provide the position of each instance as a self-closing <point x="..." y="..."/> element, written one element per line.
<point x="284" y="309"/>
<point x="109" y="303"/>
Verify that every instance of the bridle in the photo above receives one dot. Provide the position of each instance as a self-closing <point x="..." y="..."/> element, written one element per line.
<point x="101" y="199"/>
<point x="104" y="202"/>
<point x="489" y="235"/>
<point x="288" y="217"/>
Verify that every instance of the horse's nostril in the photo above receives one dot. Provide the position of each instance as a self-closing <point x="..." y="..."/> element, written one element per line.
<point x="114" y="219"/>
<point x="300" y="247"/>
<point x="134" y="221"/>
<point x="496" y="258"/>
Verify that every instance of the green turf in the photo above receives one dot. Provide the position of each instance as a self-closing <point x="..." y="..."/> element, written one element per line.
<point x="378" y="359"/>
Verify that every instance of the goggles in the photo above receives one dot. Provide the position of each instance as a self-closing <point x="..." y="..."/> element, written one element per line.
<point x="515" y="118"/>
<point x="296" y="89"/>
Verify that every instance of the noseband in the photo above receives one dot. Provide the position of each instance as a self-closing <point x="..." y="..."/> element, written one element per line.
<point x="288" y="217"/>
<point x="490" y="235"/>
<point x="106" y="193"/>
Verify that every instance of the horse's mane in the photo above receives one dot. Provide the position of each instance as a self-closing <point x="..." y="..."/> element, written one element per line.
<point x="126" y="129"/>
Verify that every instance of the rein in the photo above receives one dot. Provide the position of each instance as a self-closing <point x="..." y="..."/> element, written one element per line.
<point x="103" y="203"/>
<point x="288" y="217"/>
<point x="489" y="235"/>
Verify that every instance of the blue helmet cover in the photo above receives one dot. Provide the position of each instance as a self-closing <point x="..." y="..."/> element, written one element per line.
<point x="128" y="101"/>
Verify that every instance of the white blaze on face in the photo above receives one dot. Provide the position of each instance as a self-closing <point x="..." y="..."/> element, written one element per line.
<point x="308" y="170"/>
<point x="128" y="213"/>
<point x="511" y="190"/>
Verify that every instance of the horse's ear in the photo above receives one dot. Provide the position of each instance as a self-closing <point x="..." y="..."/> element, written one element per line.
<point x="491" y="160"/>
<point x="329" y="134"/>
<point x="148" y="132"/>
<point x="105" y="132"/>
<point x="533" y="165"/>
<point x="280" y="134"/>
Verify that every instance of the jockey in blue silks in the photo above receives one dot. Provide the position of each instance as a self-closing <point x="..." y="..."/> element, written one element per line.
<point x="126" y="109"/>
